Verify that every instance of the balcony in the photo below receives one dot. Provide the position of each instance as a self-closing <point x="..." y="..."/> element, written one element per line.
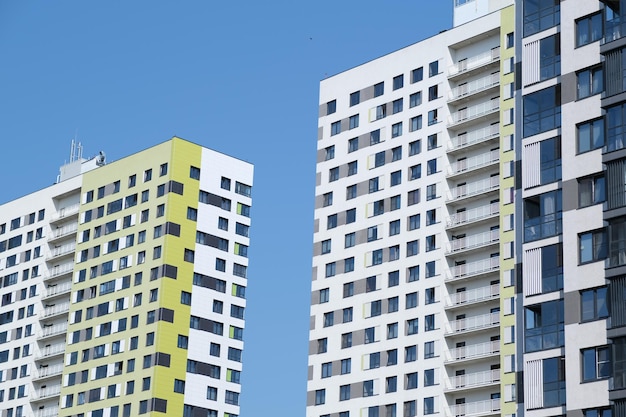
<point x="473" y="352"/>
<point x="472" y="269"/>
<point x="61" y="251"/>
<point x="51" y="331"/>
<point x="45" y="393"/>
<point x="474" y="323"/>
<point x="48" y="371"/>
<point x="55" y="290"/>
<point x="47" y="412"/>
<point x="474" y="87"/>
<point x="474" y="137"/>
<point x="65" y="213"/>
<point x="477" y="214"/>
<point x="474" y="188"/>
<point x="477" y="241"/>
<point x="477" y="408"/>
<point x="476" y="62"/>
<point x="61" y="232"/>
<point x="50" y="350"/>
<point x="473" y="380"/>
<point x="473" y="163"/>
<point x="55" y="310"/>
<point x="59" y="271"/>
<point x="472" y="113"/>
<point x="473" y="296"/>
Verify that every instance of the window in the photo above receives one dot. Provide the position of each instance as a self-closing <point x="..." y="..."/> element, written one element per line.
<point x="335" y="128"/>
<point x="593" y="304"/>
<point x="415" y="99"/>
<point x="194" y="173"/>
<point x="589" y="29"/>
<point x="331" y="107"/>
<point x="394" y="228"/>
<point x="393" y="279"/>
<point x="373" y="183"/>
<point x="396" y="130"/>
<point x="412" y="326"/>
<point x="544" y="325"/>
<point x="348" y="265"/>
<point x="429" y="350"/>
<point x="379" y="207"/>
<point x="510" y="40"/>
<point x="415" y="147"/>
<point x="433" y="68"/>
<point x="326" y="246"/>
<point x="540" y="15"/>
<point x="414" y="273"/>
<point x="398" y="81"/>
<point x="590" y="82"/>
<point x="347" y="315"/>
<point x="411" y="300"/>
<point x="431" y="167"/>
<point x="615" y="122"/>
<point x="346" y="340"/>
<point x="411" y="380"/>
<point x="433" y="92"/>
<point x="417" y="75"/>
<point x="542" y="216"/>
<point x="412" y="248"/>
<point x="415" y="172"/>
<point x="429" y="322"/>
<point x="598" y="412"/>
<point x="416" y="123"/>
<point x="542" y="111"/>
<point x="553" y="382"/>
<point x="346" y="366"/>
<point x="355" y="98"/>
<point x="331" y="269"/>
<point x="368" y="388"/>
<point x="429" y="405"/>
<point x="596" y="363"/>
<point x="370" y="284"/>
<point x="333" y="174"/>
<point x="354" y="121"/>
<point x="348" y="289"/>
<point x="320" y="396"/>
<point x="324" y="295"/>
<point x="432" y="117"/>
<point x="590" y="135"/>
<point x="591" y="190"/>
<point x="375" y="137"/>
<point x="379" y="89"/>
<point x="331" y="221"/>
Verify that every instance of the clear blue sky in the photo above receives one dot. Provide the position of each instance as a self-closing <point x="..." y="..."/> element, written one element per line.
<point x="240" y="77"/>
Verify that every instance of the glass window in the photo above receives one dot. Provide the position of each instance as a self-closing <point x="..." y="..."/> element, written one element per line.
<point x="589" y="29"/>
<point x="331" y="107"/>
<point x="591" y="190"/>
<point x="594" y="304"/>
<point x="590" y="135"/>
<point x="540" y="15"/>
<point x="417" y="74"/>
<point x="355" y="98"/>
<point x="398" y="82"/>
<point x="379" y="89"/>
<point x="542" y="111"/>
<point x="590" y="82"/>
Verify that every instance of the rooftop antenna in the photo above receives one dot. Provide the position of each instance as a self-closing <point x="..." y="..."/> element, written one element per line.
<point x="76" y="149"/>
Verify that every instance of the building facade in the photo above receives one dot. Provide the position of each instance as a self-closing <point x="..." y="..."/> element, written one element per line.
<point x="469" y="220"/>
<point x="124" y="287"/>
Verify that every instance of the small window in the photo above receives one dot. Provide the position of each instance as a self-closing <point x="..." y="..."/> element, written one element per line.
<point x="415" y="99"/>
<point x="163" y="169"/>
<point x="331" y="107"/>
<point x="379" y="89"/>
<point x="433" y="68"/>
<point x="194" y="173"/>
<point x="417" y="74"/>
<point x="355" y="98"/>
<point x="398" y="82"/>
<point x="510" y="40"/>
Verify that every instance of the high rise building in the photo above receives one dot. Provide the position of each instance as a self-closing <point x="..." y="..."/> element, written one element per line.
<point x="123" y="289"/>
<point x="469" y="243"/>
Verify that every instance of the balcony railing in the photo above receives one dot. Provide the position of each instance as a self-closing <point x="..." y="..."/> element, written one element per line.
<point x="473" y="241"/>
<point x="475" y="86"/>
<point x="473" y="215"/>
<point x="474" y="380"/>
<point x="51" y="350"/>
<point x="48" y="331"/>
<point x="475" y="136"/>
<point x="66" y="212"/>
<point x="476" y="408"/>
<point x="475" y="61"/>
<point x="65" y="230"/>
<point x="48" y="371"/>
<point x="60" y="270"/>
<point x="474" y="296"/>
<point x="62" y="250"/>
<point x="56" y="309"/>
<point x="474" y="162"/>
<point x="474" y="188"/>
<point x="47" y="412"/>
<point x="63" y="288"/>
<point x="474" y="268"/>
<point x="473" y="323"/>
<point x="474" y="112"/>
<point x="47" y="392"/>
<point x="476" y="351"/>
<point x="543" y="226"/>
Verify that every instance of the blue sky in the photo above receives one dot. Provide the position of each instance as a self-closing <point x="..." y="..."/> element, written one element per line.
<point x="240" y="77"/>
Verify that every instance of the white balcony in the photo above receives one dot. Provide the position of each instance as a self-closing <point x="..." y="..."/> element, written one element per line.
<point x="45" y="393"/>
<point x="474" y="188"/>
<point x="474" y="323"/>
<point x="472" y="269"/>
<point x="474" y="112"/>
<point x="56" y="309"/>
<point x="48" y="371"/>
<point x="474" y="162"/>
<point x="473" y="380"/>
<point x="475" y="86"/>
<point x="47" y="412"/>
<point x="52" y="350"/>
<point x="473" y="215"/>
<point x="471" y="352"/>
<point x="60" y="270"/>
<point x="61" y="251"/>
<point x="474" y="137"/>
<point x="473" y="242"/>
<point x="66" y="230"/>
<point x="475" y="295"/>
<point x="476" y="408"/>
<point x="54" y="290"/>
<point x="50" y="331"/>
<point x="65" y="212"/>
<point x="474" y="62"/>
